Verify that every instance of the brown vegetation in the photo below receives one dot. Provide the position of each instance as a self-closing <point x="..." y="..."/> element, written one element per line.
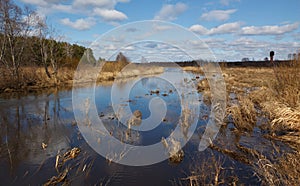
<point x="243" y="114"/>
<point x="273" y="92"/>
<point x="258" y="92"/>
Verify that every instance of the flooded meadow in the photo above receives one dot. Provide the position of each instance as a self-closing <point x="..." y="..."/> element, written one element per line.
<point x="41" y="142"/>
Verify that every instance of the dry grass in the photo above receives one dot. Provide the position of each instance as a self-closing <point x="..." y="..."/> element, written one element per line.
<point x="287" y="84"/>
<point x="240" y="78"/>
<point x="114" y="66"/>
<point x="206" y="170"/>
<point x="193" y="69"/>
<point x="33" y="78"/>
<point x="284" y="171"/>
<point x="243" y="114"/>
<point x="277" y="95"/>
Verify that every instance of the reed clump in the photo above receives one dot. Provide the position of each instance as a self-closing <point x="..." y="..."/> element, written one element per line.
<point x="243" y="114"/>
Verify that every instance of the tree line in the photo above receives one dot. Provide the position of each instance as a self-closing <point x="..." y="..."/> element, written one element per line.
<point x="27" y="40"/>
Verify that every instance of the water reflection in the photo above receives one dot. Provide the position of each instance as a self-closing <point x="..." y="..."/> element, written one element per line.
<point x="28" y="122"/>
<point x="24" y="127"/>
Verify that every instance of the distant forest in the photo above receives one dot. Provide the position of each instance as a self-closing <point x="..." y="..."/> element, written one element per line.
<point x="27" y="40"/>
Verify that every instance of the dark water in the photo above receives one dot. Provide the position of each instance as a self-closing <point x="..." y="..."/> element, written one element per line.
<point x="28" y="121"/>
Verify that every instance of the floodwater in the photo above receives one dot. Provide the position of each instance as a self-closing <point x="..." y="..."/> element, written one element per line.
<point x="28" y="121"/>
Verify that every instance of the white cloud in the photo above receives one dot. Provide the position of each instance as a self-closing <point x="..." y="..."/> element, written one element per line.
<point x="227" y="2"/>
<point x="110" y="15"/>
<point x="241" y="47"/>
<point x="170" y="12"/>
<point x="235" y="27"/>
<point x="36" y="2"/>
<point x="94" y="3"/>
<point x="63" y="8"/>
<point x="79" y="24"/>
<point x="103" y="8"/>
<point x="269" y="30"/>
<point x="199" y="29"/>
<point x="124" y="1"/>
<point x="103" y="4"/>
<point x="226" y="28"/>
<point x="248" y="43"/>
<point x="219" y="15"/>
<point x="110" y="47"/>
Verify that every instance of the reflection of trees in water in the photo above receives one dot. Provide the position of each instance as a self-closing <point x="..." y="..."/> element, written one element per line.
<point x="27" y="124"/>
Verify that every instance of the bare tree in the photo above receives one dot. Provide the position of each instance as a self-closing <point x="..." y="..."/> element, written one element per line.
<point x="56" y="53"/>
<point x="42" y="49"/>
<point x="50" y="52"/>
<point x="15" y="26"/>
<point x="14" y="29"/>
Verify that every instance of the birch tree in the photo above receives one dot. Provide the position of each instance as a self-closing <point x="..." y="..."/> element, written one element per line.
<point x="14" y="31"/>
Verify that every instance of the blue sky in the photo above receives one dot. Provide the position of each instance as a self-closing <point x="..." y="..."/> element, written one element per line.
<point x="232" y="29"/>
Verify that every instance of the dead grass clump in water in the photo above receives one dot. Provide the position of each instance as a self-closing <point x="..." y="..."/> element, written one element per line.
<point x="60" y="161"/>
<point x="203" y="85"/>
<point x="173" y="147"/>
<point x="208" y="170"/>
<point x="284" y="171"/>
<point x="244" y="114"/>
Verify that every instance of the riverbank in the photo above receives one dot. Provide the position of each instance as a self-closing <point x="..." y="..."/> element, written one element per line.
<point x="34" y="79"/>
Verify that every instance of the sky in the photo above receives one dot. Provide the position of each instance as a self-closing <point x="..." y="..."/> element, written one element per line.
<point x="231" y="29"/>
